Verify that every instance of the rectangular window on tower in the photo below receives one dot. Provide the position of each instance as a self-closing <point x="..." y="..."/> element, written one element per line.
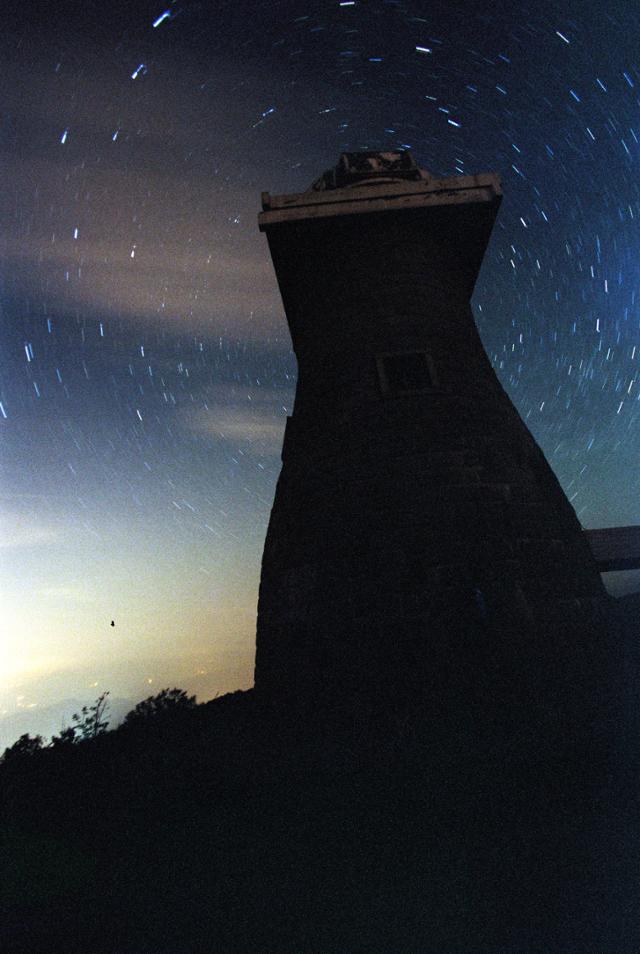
<point x="406" y="372"/>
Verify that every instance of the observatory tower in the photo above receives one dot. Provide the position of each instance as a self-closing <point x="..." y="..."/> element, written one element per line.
<point x="417" y="531"/>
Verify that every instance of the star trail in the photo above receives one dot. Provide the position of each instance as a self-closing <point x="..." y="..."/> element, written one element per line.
<point x="147" y="370"/>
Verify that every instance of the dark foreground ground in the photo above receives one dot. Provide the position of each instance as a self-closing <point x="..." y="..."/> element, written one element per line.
<point x="232" y="829"/>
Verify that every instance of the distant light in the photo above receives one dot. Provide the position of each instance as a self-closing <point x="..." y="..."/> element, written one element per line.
<point x="562" y="36"/>
<point x="452" y="122"/>
<point x="162" y="17"/>
<point x="423" y="49"/>
<point x="2" y="411"/>
<point x="63" y="138"/>
<point x="347" y="3"/>
<point x="135" y="73"/>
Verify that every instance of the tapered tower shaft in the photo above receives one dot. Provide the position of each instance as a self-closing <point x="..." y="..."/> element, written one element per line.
<point x="417" y="530"/>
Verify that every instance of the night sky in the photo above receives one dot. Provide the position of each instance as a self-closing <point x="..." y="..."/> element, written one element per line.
<point x="146" y="365"/>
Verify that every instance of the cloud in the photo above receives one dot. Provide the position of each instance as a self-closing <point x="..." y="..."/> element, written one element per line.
<point x="252" y="418"/>
<point x="258" y="430"/>
<point x="144" y="228"/>
<point x="176" y="267"/>
<point x="17" y="531"/>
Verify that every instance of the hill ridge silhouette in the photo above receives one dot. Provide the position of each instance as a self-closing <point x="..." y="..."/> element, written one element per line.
<point x="228" y="826"/>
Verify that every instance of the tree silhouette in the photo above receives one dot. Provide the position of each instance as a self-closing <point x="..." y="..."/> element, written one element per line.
<point x="26" y="745"/>
<point x="67" y="737"/>
<point x="168" y="702"/>
<point x="90" y="722"/>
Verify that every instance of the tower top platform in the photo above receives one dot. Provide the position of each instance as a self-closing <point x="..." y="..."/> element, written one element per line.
<point x="365" y="182"/>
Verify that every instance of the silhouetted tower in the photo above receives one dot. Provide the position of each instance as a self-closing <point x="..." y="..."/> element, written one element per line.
<point x="418" y="535"/>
